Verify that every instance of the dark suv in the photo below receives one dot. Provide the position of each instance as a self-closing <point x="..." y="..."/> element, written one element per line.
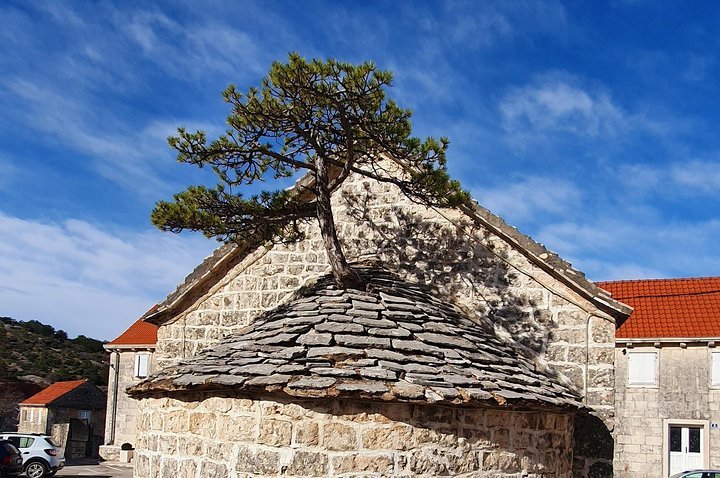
<point x="10" y="460"/>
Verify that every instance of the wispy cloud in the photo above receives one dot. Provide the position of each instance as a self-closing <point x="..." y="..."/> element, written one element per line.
<point x="123" y="155"/>
<point x="194" y="49"/>
<point x="91" y="280"/>
<point x="622" y="246"/>
<point x="519" y="201"/>
<point x="553" y="105"/>
<point x="698" y="177"/>
<point x="692" y="178"/>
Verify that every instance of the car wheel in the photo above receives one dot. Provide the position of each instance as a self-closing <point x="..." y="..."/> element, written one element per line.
<point x="35" y="470"/>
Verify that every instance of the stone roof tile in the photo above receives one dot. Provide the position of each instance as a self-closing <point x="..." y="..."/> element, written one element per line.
<point x="444" y="357"/>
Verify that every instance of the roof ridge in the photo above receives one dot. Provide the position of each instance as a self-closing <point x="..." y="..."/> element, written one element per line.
<point x="226" y="255"/>
<point x="668" y="279"/>
<point x="54" y="391"/>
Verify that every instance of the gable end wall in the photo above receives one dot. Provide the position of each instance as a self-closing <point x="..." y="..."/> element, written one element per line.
<point x="462" y="262"/>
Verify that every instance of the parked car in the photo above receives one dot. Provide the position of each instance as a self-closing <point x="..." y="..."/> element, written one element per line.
<point x="10" y="459"/>
<point x="697" y="474"/>
<point x="42" y="456"/>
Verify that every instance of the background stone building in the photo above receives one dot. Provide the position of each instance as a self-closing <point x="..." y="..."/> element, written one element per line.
<point x="519" y="293"/>
<point x="667" y="376"/>
<point x="74" y="408"/>
<point x="131" y="360"/>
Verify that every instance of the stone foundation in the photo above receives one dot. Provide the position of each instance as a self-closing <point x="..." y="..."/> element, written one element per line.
<point x="231" y="437"/>
<point x="110" y="452"/>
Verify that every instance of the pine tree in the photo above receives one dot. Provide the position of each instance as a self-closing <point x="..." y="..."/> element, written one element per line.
<point x="327" y="118"/>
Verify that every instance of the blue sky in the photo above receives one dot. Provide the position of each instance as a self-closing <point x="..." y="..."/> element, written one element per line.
<point x="590" y="126"/>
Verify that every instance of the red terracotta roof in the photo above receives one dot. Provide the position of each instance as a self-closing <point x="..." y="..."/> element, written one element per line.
<point x="139" y="333"/>
<point x="669" y="308"/>
<point x="52" y="393"/>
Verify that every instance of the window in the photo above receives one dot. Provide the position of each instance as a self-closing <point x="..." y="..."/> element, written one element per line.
<point x="715" y="379"/>
<point x="85" y="415"/>
<point x="142" y="365"/>
<point x="22" y="442"/>
<point x="642" y="368"/>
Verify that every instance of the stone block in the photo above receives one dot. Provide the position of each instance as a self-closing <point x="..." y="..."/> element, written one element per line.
<point x="275" y="432"/>
<point x="338" y="436"/>
<point x="257" y="461"/>
<point x="203" y="424"/>
<point x="501" y="461"/>
<point x="395" y="437"/>
<point x="364" y="463"/>
<point x="306" y="434"/>
<point x="209" y="469"/>
<point x="305" y="463"/>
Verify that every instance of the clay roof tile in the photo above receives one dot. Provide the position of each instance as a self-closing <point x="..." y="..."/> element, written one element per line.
<point x="139" y="333"/>
<point x="669" y="308"/>
<point x="53" y="392"/>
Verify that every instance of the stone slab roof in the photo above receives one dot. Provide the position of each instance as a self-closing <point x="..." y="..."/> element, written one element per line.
<point x="669" y="308"/>
<point x="393" y="341"/>
<point x="227" y="255"/>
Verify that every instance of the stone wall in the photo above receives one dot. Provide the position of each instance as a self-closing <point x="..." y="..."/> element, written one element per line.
<point x="461" y="261"/>
<point x="683" y="393"/>
<point x="126" y="408"/>
<point x="230" y="437"/>
<point x="33" y="420"/>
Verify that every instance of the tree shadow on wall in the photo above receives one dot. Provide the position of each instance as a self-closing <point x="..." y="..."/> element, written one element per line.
<point x="460" y="262"/>
<point x="456" y="261"/>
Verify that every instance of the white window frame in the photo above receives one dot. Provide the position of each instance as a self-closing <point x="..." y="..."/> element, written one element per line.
<point x="137" y="369"/>
<point x="636" y="354"/>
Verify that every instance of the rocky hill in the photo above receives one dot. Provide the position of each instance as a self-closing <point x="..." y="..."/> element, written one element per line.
<point x="35" y="352"/>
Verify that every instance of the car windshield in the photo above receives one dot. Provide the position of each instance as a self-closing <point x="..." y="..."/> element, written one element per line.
<point x="52" y="442"/>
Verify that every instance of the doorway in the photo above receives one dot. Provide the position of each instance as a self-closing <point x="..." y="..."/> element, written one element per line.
<point x="686" y="444"/>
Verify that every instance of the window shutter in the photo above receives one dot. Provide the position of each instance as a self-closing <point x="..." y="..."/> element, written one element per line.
<point x="642" y="366"/>
<point x="716" y="368"/>
<point x="141" y="365"/>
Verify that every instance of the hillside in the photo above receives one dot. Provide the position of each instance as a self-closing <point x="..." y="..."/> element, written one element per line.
<point x="32" y="351"/>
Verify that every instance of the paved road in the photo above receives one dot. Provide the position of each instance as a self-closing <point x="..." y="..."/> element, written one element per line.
<point x="96" y="471"/>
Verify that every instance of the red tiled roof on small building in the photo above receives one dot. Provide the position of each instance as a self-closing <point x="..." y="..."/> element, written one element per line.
<point x="669" y="308"/>
<point x="53" y="392"/>
<point x="139" y="333"/>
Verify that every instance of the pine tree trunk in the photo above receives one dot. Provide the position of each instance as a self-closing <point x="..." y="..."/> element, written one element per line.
<point x="345" y="276"/>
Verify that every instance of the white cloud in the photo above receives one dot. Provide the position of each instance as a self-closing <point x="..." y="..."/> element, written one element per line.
<point x="520" y="201"/>
<point x="80" y="278"/>
<point x="693" y="178"/>
<point x="697" y="177"/>
<point x="556" y="106"/>
<point x="191" y="49"/>
<point x="624" y="247"/>
<point x="129" y="155"/>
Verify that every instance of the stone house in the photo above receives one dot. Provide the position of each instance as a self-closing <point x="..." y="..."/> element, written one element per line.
<point x="473" y="351"/>
<point x="77" y="407"/>
<point x="131" y="360"/>
<point x="667" y="376"/>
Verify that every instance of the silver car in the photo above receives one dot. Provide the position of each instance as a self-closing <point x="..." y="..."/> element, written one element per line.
<point x="698" y="474"/>
<point x="42" y="456"/>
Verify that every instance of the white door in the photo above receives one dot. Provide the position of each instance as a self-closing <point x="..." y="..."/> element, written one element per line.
<point x="686" y="448"/>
